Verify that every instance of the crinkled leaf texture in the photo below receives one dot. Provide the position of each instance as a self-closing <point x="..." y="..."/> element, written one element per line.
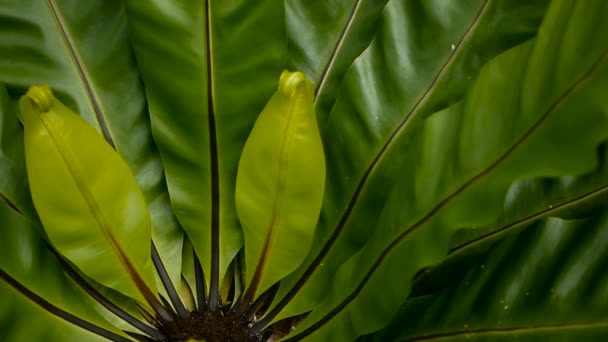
<point x="445" y="125"/>
<point x="544" y="284"/>
<point x="534" y="111"/>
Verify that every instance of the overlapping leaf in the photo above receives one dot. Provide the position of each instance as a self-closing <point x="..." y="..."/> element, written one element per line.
<point x="529" y="114"/>
<point x="527" y="200"/>
<point x="220" y="62"/>
<point x="545" y="283"/>
<point x="423" y="58"/>
<point x="323" y="51"/>
<point x="90" y="214"/>
<point x="57" y="42"/>
<point x="25" y="258"/>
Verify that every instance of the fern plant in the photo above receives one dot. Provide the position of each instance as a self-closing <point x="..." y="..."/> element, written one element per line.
<point x="294" y="170"/>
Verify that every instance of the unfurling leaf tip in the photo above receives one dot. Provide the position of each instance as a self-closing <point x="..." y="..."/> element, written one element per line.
<point x="41" y="98"/>
<point x="290" y="81"/>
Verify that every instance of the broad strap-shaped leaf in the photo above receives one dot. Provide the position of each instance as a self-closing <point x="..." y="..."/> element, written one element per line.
<point x="547" y="283"/>
<point x="529" y="114"/>
<point x="203" y="102"/>
<point x="280" y="183"/>
<point x="527" y="201"/>
<point x="86" y="196"/>
<point x="17" y="317"/>
<point x="25" y="258"/>
<point x="424" y="57"/>
<point x="82" y="51"/>
<point x="325" y="38"/>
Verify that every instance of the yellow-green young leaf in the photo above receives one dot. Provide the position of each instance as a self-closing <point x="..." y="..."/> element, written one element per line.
<point x="279" y="186"/>
<point x="86" y="196"/>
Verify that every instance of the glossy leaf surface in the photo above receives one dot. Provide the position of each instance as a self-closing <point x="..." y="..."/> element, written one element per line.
<point x="91" y="214"/>
<point x="423" y="58"/>
<point x="448" y="127"/>
<point x="546" y="283"/>
<point x="204" y="101"/>
<point x="527" y="201"/>
<point x="280" y="183"/>
<point x="559" y="123"/>
<point x="24" y="257"/>
<point x="58" y="42"/>
<point x="323" y="51"/>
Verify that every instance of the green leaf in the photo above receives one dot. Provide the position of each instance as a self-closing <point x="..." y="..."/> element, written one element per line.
<point x="204" y="101"/>
<point x="324" y="40"/>
<point x="545" y="283"/>
<point x="390" y="88"/>
<point x="82" y="52"/>
<point x="25" y="258"/>
<point x="529" y="114"/>
<point x="13" y="178"/>
<point x="280" y="183"/>
<point x="22" y="320"/>
<point x="527" y="201"/>
<point x="92" y="215"/>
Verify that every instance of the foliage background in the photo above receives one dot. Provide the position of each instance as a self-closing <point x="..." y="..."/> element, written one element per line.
<point x="475" y="127"/>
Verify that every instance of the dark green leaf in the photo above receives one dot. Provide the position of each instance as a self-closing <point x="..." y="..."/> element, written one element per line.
<point x="24" y="257"/>
<point x="324" y="40"/>
<point x="527" y="200"/>
<point x="529" y="114"/>
<point x="424" y="57"/>
<point x="547" y="283"/>
<point x="203" y="102"/>
<point x="13" y="179"/>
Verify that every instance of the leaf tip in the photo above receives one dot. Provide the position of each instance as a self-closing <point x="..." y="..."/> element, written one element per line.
<point x="39" y="98"/>
<point x="290" y="81"/>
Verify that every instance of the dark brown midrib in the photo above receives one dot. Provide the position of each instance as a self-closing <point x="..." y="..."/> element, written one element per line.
<point x="448" y="199"/>
<point x="9" y="203"/>
<point x="105" y="302"/>
<point x="336" y="48"/>
<point x="529" y="218"/>
<point x="279" y="187"/>
<point x="67" y="157"/>
<point x="332" y="239"/>
<point x="215" y="191"/>
<point x="81" y="73"/>
<point x="52" y="309"/>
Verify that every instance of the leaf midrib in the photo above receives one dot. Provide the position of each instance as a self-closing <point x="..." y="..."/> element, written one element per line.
<point x="400" y="128"/>
<point x="418" y="224"/>
<point x="9" y="203"/>
<point x="337" y="47"/>
<point x="60" y="313"/>
<point x="103" y="224"/>
<point x="552" y="209"/>
<point x="82" y="72"/>
<point x="506" y="228"/>
<point x="215" y="191"/>
<point x="278" y="199"/>
<point x="510" y="330"/>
